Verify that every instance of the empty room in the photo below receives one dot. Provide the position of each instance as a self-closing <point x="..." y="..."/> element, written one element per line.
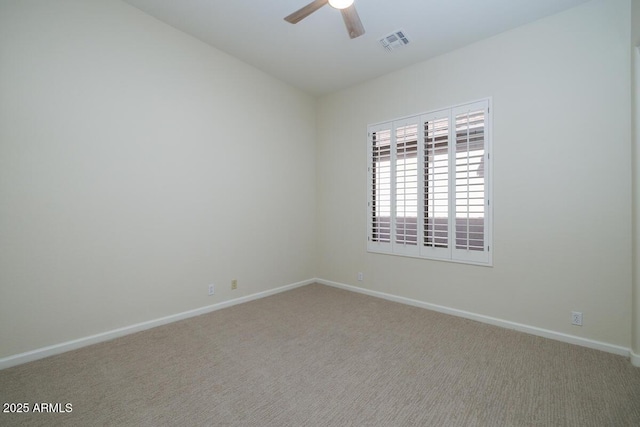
<point x="320" y="213"/>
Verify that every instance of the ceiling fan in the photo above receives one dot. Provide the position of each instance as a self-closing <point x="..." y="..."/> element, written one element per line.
<point x="346" y="7"/>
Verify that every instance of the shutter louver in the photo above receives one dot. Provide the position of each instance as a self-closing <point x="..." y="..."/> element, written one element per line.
<point x="381" y="186"/>
<point x="406" y="189"/>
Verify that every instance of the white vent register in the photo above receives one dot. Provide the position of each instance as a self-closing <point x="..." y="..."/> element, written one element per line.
<point x="395" y="40"/>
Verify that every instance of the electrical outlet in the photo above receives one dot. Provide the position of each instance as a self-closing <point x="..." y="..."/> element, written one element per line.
<point x="211" y="290"/>
<point x="360" y="277"/>
<point x="234" y="284"/>
<point x="576" y="318"/>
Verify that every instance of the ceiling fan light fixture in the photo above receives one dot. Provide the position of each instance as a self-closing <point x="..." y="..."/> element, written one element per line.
<point x="340" y="4"/>
<point x="347" y="10"/>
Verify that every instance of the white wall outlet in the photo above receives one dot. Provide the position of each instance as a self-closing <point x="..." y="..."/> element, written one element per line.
<point x="211" y="289"/>
<point x="360" y="277"/>
<point x="234" y="284"/>
<point x="576" y="318"/>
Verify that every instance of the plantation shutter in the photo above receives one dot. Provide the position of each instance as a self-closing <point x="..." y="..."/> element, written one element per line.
<point x="405" y="172"/>
<point x="469" y="187"/>
<point x="379" y="205"/>
<point x="429" y="185"/>
<point x="435" y="175"/>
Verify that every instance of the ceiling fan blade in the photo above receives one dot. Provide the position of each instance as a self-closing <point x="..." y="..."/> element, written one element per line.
<point x="352" y="21"/>
<point x="300" y="14"/>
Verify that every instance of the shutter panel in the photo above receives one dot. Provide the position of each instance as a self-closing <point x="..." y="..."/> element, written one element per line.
<point x="380" y="188"/>
<point x="470" y="190"/>
<point x="406" y="188"/>
<point x="435" y="169"/>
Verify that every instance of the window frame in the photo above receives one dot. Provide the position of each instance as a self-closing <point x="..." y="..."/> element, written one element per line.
<point x="421" y="249"/>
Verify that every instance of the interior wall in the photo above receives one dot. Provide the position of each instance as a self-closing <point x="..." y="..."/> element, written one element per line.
<point x="561" y="179"/>
<point x="138" y="165"/>
<point x="635" y="54"/>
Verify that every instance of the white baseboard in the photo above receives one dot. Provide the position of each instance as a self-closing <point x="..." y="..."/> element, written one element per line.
<point x="546" y="333"/>
<point x="52" y="350"/>
<point x="43" y="352"/>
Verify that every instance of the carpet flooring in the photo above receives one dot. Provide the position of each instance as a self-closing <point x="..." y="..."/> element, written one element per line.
<point x="320" y="356"/>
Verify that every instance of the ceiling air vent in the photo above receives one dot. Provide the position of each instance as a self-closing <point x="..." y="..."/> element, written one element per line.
<point x="395" y="40"/>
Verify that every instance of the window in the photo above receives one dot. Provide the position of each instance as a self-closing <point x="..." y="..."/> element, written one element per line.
<point x="429" y="185"/>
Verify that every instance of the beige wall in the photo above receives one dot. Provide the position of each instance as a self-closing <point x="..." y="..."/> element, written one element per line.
<point x="635" y="45"/>
<point x="562" y="176"/>
<point x="137" y="165"/>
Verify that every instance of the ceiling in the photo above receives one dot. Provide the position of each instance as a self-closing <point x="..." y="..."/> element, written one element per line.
<point x="317" y="55"/>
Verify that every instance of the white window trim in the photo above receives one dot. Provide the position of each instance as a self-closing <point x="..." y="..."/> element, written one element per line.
<point x="449" y="254"/>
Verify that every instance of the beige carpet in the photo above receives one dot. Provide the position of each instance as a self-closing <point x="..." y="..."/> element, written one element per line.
<point x="319" y="356"/>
